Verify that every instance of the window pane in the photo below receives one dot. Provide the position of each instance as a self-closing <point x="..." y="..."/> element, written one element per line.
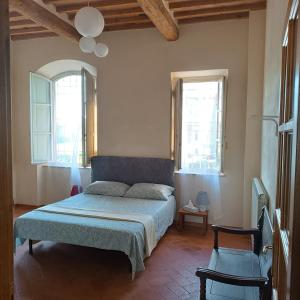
<point x="41" y="118"/>
<point x="41" y="147"/>
<point x="201" y="130"/>
<point x="68" y="119"/>
<point x="41" y="115"/>
<point x="40" y="90"/>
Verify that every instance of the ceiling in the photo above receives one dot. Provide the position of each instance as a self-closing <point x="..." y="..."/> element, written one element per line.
<point x="128" y="14"/>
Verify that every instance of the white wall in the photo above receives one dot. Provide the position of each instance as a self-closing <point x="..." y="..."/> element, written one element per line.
<point x="276" y="11"/>
<point x="252" y="157"/>
<point x="134" y="105"/>
<point x="54" y="183"/>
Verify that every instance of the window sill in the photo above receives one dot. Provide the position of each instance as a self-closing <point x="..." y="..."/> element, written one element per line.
<point x="200" y="172"/>
<point x="50" y="165"/>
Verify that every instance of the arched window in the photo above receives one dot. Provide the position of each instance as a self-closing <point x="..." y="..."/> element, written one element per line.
<point x="63" y="118"/>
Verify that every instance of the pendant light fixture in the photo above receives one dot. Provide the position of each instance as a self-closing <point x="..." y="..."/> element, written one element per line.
<point x="89" y="22"/>
<point x="101" y="50"/>
<point x="87" y="44"/>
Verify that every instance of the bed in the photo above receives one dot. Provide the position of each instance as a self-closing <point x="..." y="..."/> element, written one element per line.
<point x="102" y="221"/>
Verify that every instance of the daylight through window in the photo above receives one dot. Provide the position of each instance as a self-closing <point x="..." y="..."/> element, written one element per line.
<point x="63" y="118"/>
<point x="202" y="126"/>
<point x="68" y="119"/>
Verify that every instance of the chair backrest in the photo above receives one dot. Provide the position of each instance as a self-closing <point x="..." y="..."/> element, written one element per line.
<point x="266" y="241"/>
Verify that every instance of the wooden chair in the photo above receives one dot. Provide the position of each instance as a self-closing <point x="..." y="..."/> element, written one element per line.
<point x="240" y="274"/>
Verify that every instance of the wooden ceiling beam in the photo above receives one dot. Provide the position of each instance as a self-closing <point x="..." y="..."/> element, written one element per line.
<point x="242" y="15"/>
<point x="135" y="20"/>
<point x="28" y="36"/>
<point x="14" y="14"/>
<point x="220" y="10"/>
<point x="24" y="22"/>
<point x="103" y="5"/>
<point x="20" y="18"/>
<point x="14" y="31"/>
<point x="161" y="17"/>
<point x="45" y="18"/>
<point x="118" y="27"/>
<point x="127" y="12"/>
<point x="125" y="15"/>
<point x="196" y="4"/>
<point x="49" y="1"/>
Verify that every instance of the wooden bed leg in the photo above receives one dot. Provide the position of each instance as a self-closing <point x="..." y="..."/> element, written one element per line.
<point x="130" y="267"/>
<point x="30" y="247"/>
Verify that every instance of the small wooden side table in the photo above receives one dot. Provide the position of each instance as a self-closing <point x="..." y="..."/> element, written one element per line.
<point x="203" y="214"/>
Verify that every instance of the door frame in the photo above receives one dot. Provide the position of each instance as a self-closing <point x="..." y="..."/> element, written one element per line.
<point x="294" y="258"/>
<point x="286" y="262"/>
<point x="6" y="199"/>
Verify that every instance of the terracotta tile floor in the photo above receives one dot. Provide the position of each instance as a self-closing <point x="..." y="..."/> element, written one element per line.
<point x="60" y="271"/>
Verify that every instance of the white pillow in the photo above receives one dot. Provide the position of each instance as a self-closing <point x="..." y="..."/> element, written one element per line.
<point x="107" y="188"/>
<point x="150" y="191"/>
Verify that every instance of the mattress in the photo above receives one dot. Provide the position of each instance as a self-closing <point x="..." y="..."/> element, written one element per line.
<point x="125" y="236"/>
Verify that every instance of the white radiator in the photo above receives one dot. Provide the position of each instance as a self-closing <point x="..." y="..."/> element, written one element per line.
<point x="260" y="198"/>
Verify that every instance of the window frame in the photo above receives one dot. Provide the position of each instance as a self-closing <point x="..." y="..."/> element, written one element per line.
<point x="88" y="97"/>
<point x="177" y="144"/>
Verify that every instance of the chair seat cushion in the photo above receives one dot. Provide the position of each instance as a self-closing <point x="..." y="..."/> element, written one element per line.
<point x="233" y="262"/>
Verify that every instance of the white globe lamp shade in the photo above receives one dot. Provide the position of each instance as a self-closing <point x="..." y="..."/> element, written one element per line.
<point x="87" y="45"/>
<point x="101" y="50"/>
<point x="89" y="22"/>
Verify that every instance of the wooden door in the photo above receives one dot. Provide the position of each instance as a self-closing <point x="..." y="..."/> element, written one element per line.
<point x="288" y="177"/>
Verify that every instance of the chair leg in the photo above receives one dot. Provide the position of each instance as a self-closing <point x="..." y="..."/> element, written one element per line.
<point x="30" y="247"/>
<point x="203" y="289"/>
<point x="216" y="240"/>
<point x="263" y="293"/>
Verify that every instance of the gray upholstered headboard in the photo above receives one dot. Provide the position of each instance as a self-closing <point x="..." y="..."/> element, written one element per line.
<point x="132" y="170"/>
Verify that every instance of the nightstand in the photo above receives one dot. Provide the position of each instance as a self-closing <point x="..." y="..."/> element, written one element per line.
<point x="203" y="214"/>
